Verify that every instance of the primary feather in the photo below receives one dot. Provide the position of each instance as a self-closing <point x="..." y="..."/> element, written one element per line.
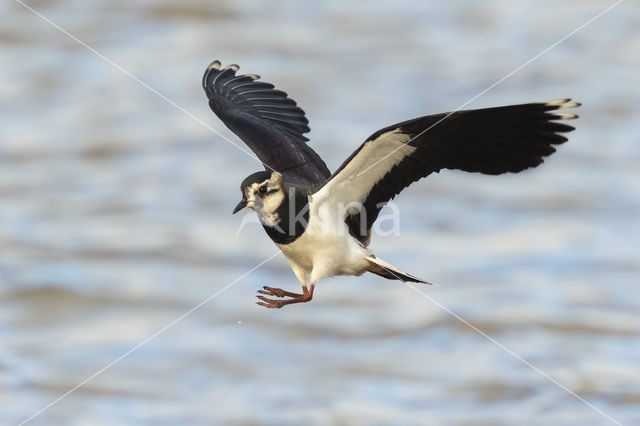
<point x="267" y="120"/>
<point x="490" y="141"/>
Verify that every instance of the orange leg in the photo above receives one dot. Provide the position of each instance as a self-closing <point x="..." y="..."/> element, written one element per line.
<point x="306" y="296"/>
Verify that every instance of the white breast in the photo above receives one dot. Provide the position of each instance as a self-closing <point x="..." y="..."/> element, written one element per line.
<point x="326" y="249"/>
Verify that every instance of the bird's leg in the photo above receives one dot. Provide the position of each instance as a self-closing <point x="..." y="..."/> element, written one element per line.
<point x="307" y="295"/>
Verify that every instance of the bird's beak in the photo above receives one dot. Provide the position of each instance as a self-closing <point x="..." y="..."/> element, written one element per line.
<point x="241" y="205"/>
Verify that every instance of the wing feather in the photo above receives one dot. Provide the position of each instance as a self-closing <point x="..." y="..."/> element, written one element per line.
<point x="267" y="120"/>
<point x="490" y="141"/>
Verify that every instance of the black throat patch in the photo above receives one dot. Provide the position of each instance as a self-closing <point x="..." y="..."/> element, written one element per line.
<point x="293" y="215"/>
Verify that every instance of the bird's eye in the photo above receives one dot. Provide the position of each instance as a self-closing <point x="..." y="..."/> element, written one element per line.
<point x="262" y="190"/>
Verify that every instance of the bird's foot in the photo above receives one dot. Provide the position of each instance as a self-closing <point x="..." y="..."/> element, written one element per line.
<point x="278" y="292"/>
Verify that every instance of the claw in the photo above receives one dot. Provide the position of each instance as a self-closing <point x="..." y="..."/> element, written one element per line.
<point x="272" y="291"/>
<point x="278" y="292"/>
<point x="265" y="299"/>
<point x="270" y="303"/>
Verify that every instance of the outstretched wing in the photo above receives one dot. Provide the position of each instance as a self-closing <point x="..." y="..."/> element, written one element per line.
<point x="491" y="141"/>
<point x="268" y="121"/>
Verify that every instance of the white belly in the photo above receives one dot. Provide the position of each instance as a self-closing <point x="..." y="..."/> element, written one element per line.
<point x="326" y="249"/>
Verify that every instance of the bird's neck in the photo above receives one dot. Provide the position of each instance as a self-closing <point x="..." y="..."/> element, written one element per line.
<point x="293" y="217"/>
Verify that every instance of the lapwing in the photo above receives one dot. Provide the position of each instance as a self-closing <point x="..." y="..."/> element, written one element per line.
<point x="322" y="221"/>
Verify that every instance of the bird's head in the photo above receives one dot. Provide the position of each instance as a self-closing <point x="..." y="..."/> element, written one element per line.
<point x="263" y="192"/>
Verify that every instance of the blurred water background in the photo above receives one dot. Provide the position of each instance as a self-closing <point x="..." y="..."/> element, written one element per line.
<point x="115" y="219"/>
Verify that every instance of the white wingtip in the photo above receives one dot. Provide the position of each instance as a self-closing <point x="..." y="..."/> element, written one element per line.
<point x="556" y="102"/>
<point x="569" y="105"/>
<point x="562" y="103"/>
<point x="215" y="65"/>
<point x="233" y="67"/>
<point x="565" y="116"/>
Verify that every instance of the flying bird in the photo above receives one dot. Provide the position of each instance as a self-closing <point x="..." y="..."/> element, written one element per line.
<point x="321" y="220"/>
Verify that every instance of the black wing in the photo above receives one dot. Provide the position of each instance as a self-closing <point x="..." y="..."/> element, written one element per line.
<point x="491" y="141"/>
<point x="269" y="122"/>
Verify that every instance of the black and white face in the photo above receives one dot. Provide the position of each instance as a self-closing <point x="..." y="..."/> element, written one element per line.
<point x="264" y="198"/>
